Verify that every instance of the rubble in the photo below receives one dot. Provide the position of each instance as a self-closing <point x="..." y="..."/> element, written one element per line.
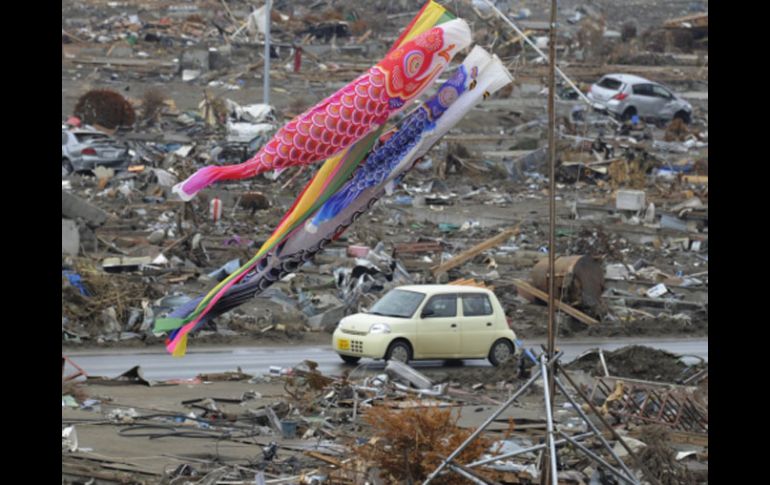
<point x="299" y="421"/>
<point x="185" y="90"/>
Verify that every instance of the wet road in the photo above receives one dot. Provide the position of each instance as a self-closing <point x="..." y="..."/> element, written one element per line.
<point x="158" y="365"/>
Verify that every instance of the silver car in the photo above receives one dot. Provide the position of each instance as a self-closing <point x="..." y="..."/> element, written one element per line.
<point x="84" y="149"/>
<point x="626" y="95"/>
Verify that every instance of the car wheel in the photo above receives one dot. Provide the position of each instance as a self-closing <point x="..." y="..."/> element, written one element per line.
<point x="400" y="351"/>
<point x="501" y="351"/>
<point x="66" y="167"/>
<point x="684" y="116"/>
<point x="349" y="359"/>
<point x="628" y="114"/>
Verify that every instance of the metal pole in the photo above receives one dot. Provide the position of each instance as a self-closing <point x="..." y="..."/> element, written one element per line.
<point x="615" y="434"/>
<point x="592" y="426"/>
<point x="552" y="191"/>
<point x="266" y="77"/>
<point x="524" y="450"/>
<point x="549" y="419"/>
<point x="599" y="460"/>
<point x="481" y="428"/>
<point x="548" y="385"/>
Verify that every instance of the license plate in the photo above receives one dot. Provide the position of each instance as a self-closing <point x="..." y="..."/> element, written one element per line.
<point x="343" y="344"/>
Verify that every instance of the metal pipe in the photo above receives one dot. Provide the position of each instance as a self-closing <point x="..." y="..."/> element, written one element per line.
<point x="266" y="78"/>
<point x="592" y="426"/>
<point x="542" y="55"/>
<point x="460" y="470"/>
<point x="549" y="420"/>
<point x="615" y="434"/>
<point x="480" y="429"/>
<point x="599" y="460"/>
<point x="523" y="450"/>
<point x="548" y="386"/>
<point x="604" y="363"/>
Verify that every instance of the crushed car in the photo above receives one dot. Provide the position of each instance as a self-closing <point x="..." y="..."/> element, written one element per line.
<point x="84" y="149"/>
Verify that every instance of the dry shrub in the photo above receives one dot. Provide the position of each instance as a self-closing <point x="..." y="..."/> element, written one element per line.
<point x="628" y="31"/>
<point x="676" y="131"/>
<point x="195" y="18"/>
<point x="655" y="40"/>
<point x="74" y="389"/>
<point x="590" y="39"/>
<point x="408" y="444"/>
<point x="660" y="458"/>
<point x="681" y="39"/>
<point x="152" y="103"/>
<point x="359" y="27"/>
<point x="106" y="108"/>
<point x="123" y="291"/>
<point x="628" y="174"/>
<point x="331" y="14"/>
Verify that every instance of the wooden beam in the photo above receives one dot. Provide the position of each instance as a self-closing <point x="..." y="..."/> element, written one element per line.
<point x="324" y="458"/>
<point x="472" y="252"/>
<point x="542" y="295"/>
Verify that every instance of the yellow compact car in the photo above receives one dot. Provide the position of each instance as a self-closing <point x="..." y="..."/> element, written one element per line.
<point x="428" y="322"/>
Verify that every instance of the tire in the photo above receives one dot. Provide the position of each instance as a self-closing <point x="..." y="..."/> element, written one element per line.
<point x="501" y="351"/>
<point x="399" y="350"/>
<point x="349" y="359"/>
<point x="684" y="116"/>
<point x="628" y="114"/>
<point x="66" y="167"/>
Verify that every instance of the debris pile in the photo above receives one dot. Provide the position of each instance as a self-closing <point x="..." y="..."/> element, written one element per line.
<point x="300" y="424"/>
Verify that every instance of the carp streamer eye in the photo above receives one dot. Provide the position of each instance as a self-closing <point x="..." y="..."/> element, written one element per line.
<point x="412" y="63"/>
<point x="447" y="95"/>
<point x="472" y="85"/>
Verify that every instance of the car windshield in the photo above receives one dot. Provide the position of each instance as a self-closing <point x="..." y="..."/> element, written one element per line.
<point x="398" y="303"/>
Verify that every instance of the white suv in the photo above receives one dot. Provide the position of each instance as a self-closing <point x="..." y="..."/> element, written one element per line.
<point x="428" y="322"/>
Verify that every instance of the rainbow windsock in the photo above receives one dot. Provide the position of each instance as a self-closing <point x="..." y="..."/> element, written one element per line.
<point x="329" y="178"/>
<point x="329" y="204"/>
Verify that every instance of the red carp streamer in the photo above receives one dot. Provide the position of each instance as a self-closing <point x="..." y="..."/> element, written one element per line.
<point x="349" y="114"/>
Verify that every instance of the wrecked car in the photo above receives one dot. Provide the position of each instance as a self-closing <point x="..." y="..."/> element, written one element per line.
<point x="625" y="96"/>
<point x="84" y="149"/>
<point x="428" y="322"/>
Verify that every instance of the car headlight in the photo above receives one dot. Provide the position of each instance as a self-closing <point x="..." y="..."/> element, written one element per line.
<point x="379" y="328"/>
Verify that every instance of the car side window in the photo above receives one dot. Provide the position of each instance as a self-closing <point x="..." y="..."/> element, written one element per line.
<point x="660" y="92"/>
<point x="643" y="90"/>
<point x="476" y="305"/>
<point x="63" y="138"/>
<point x="441" y="306"/>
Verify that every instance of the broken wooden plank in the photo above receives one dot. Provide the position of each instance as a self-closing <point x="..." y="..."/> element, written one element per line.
<point x="125" y="62"/>
<point x="542" y="295"/>
<point x="688" y="438"/>
<point x="696" y="179"/>
<point x="416" y="248"/>
<point x="324" y="458"/>
<point x="472" y="252"/>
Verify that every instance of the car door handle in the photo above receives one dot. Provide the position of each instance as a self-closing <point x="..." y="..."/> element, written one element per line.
<point x="489" y="324"/>
<point x="453" y="325"/>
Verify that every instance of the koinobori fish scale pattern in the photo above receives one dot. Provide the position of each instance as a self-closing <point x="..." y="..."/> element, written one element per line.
<point x="350" y="113"/>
